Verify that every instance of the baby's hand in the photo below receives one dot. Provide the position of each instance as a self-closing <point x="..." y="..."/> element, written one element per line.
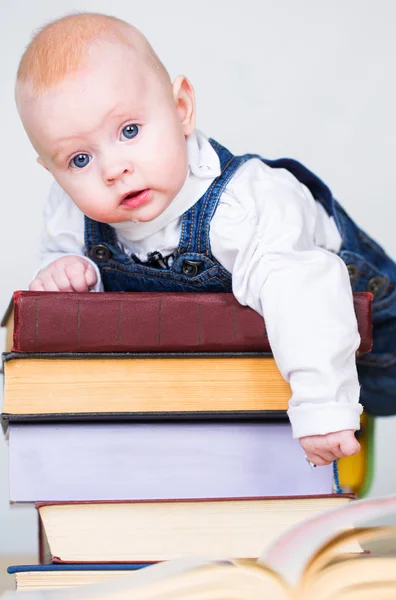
<point x="67" y="274"/>
<point x="323" y="449"/>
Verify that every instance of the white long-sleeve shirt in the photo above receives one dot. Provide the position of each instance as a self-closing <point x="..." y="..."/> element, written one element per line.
<point x="281" y="248"/>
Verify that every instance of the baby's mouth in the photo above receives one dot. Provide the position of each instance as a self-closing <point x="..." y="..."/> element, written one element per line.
<point x="134" y="199"/>
<point x="131" y="195"/>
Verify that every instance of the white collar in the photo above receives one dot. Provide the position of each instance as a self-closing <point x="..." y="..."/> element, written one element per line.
<point x="203" y="168"/>
<point x="203" y="161"/>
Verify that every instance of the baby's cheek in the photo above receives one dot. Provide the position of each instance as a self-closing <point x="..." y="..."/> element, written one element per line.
<point x="83" y="189"/>
<point x="166" y="172"/>
<point x="97" y="204"/>
<point x="177" y="168"/>
<point x="178" y="176"/>
<point x="85" y="202"/>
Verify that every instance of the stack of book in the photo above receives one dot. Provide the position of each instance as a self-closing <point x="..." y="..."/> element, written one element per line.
<point x="147" y="427"/>
<point x="318" y="558"/>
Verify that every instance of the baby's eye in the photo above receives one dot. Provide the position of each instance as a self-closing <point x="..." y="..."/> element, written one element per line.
<point x="130" y="131"/>
<point x="80" y="161"/>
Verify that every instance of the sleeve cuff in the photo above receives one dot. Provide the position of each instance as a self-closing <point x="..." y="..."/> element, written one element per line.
<point x="321" y="419"/>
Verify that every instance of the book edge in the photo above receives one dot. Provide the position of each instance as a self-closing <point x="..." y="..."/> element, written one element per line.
<point x="343" y="496"/>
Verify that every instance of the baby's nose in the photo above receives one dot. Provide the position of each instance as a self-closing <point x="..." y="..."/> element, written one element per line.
<point x="114" y="172"/>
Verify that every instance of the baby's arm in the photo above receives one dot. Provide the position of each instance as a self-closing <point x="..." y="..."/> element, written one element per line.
<point x="263" y="232"/>
<point x="63" y="266"/>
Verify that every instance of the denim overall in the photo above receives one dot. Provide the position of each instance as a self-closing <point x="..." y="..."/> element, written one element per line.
<point x="195" y="269"/>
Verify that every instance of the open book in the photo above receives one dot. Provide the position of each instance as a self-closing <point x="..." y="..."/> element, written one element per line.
<point x="307" y="562"/>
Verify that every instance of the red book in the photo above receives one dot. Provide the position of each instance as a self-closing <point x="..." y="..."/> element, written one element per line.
<point x="147" y="322"/>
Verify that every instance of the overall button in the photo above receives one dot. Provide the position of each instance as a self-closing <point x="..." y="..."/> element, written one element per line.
<point x="374" y="285"/>
<point x="191" y="267"/>
<point x="100" y="253"/>
<point x="353" y="272"/>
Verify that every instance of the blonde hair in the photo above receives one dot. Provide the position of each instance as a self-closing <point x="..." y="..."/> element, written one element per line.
<point x="60" y="47"/>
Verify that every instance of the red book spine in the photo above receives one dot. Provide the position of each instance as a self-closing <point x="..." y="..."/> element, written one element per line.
<point x="17" y="300"/>
<point x="148" y="322"/>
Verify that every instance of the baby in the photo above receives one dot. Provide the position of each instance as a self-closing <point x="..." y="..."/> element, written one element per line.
<point x="143" y="201"/>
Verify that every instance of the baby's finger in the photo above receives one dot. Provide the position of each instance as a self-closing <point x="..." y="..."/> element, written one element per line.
<point x="90" y="275"/>
<point x="48" y="282"/>
<point x="319" y="446"/>
<point x="318" y="460"/>
<point x="349" y="447"/>
<point x="62" y="281"/>
<point x="36" y="286"/>
<point x="326" y="455"/>
<point x="76" y="275"/>
<point x="338" y="453"/>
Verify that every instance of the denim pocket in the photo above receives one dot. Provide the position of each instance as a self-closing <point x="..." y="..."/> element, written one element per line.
<point x="370" y="268"/>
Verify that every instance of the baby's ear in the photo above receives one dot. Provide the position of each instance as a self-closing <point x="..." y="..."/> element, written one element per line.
<point x="42" y="163"/>
<point x="184" y="97"/>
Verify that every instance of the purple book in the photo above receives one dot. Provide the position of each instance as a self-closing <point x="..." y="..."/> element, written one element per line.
<point x="124" y="461"/>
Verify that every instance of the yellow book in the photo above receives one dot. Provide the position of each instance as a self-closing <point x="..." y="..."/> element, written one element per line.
<point x="356" y="472"/>
<point x="141" y="384"/>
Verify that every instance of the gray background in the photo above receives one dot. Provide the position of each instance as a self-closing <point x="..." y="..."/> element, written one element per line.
<point x="310" y="79"/>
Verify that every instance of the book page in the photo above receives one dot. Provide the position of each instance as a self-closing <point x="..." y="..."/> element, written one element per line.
<point x="291" y="552"/>
<point x="184" y="579"/>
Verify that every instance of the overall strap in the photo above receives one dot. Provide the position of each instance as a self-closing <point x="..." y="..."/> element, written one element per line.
<point x="196" y="221"/>
<point x="97" y="233"/>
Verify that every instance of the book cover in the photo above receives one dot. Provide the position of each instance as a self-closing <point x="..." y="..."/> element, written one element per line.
<point x="146" y="322"/>
<point x="12" y="569"/>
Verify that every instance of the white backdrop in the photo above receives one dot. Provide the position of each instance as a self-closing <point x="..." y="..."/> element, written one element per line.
<point x="310" y="79"/>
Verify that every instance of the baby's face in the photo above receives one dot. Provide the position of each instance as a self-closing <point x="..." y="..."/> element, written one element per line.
<point x="112" y="136"/>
